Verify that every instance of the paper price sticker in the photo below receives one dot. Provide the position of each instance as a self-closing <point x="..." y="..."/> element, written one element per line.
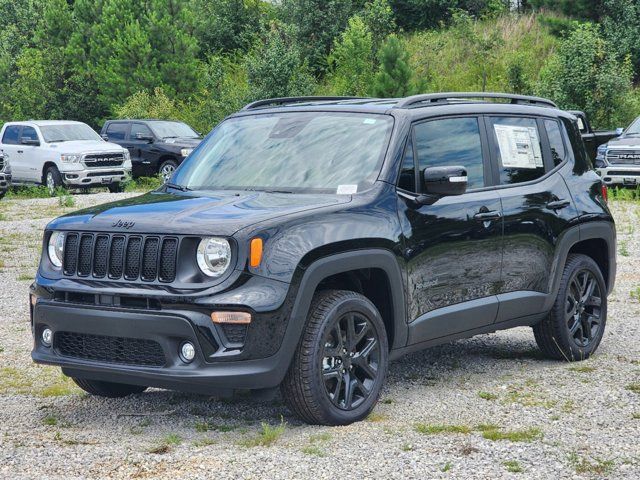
<point x="519" y="146"/>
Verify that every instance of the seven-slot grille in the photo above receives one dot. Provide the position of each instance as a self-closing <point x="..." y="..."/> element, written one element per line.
<point x="129" y="257"/>
<point x="99" y="160"/>
<point x="623" y="157"/>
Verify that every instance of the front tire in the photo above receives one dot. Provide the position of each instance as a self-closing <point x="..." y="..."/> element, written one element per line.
<point x="107" y="389"/>
<point x="574" y="328"/>
<point x="116" y="188"/>
<point x="166" y="169"/>
<point x="52" y="180"/>
<point x="340" y="364"/>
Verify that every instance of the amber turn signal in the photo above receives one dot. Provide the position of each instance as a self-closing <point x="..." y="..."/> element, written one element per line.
<point x="255" y="252"/>
<point x="237" y="318"/>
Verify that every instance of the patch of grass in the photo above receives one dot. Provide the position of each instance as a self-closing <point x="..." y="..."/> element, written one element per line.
<point x="50" y="420"/>
<point x="267" y="436"/>
<point x="635" y="416"/>
<point x="143" y="184"/>
<point x="204" y="442"/>
<point x="320" y="437"/>
<point x="65" y="200"/>
<point x="528" y="398"/>
<point x="440" y="429"/>
<point x="407" y="447"/>
<point x="388" y="401"/>
<point x="314" y="450"/>
<point x="31" y="191"/>
<point x="623" y="250"/>
<point x="377" y="417"/>
<point x="527" y="435"/>
<point x="23" y="277"/>
<point x="3" y="217"/>
<point x="513" y="466"/>
<point x="173" y="439"/>
<point x="583" y="369"/>
<point x="594" y="466"/>
<point x="635" y="293"/>
<point x="446" y="467"/>
<point x="487" y="395"/>
<point x="633" y="387"/>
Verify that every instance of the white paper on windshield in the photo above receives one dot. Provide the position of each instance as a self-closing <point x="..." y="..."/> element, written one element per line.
<point x="347" y="189"/>
<point x="519" y="146"/>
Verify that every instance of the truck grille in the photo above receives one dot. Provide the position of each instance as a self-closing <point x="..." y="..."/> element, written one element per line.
<point x="100" y="160"/>
<point x="1" y="163"/>
<point x="124" y="351"/>
<point x="131" y="257"/>
<point x="623" y="157"/>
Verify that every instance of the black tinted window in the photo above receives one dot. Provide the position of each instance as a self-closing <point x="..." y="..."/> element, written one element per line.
<point x="407" y="180"/>
<point x="29" y="132"/>
<point x="554" y="133"/>
<point x="117" y="131"/>
<point x="518" y="149"/>
<point x="451" y="142"/>
<point x="139" y="128"/>
<point x="11" y="135"/>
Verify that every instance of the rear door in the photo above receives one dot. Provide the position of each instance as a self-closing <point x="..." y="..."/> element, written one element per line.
<point x="31" y="155"/>
<point x="453" y="248"/>
<point x="527" y="153"/>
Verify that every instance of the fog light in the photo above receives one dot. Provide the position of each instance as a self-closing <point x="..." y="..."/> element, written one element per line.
<point x="47" y="336"/>
<point x="187" y="351"/>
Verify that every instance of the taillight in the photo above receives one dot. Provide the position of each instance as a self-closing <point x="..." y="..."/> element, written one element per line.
<point x="605" y="193"/>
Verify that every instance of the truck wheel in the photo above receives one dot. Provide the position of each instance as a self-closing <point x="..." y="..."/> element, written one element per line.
<point x="116" y="188"/>
<point x="52" y="180"/>
<point x="107" y="389"/>
<point x="340" y="364"/>
<point x="166" y="169"/>
<point x="573" y="329"/>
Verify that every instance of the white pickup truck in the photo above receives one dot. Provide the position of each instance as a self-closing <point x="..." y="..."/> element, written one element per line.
<point x="59" y="153"/>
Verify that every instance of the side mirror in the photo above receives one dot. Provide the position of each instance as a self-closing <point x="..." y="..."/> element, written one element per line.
<point x="619" y="131"/>
<point x="34" y="142"/>
<point x="105" y="137"/>
<point x="442" y="182"/>
<point x="142" y="136"/>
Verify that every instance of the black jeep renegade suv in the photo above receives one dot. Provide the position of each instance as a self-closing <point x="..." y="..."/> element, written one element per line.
<point x="308" y="241"/>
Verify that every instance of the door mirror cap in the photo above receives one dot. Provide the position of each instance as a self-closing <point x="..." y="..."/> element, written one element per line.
<point x="30" y="141"/>
<point x="105" y="137"/>
<point x="445" y="181"/>
<point x="142" y="136"/>
<point x="619" y="131"/>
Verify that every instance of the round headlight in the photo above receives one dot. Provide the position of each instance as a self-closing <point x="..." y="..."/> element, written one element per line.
<point x="214" y="256"/>
<point x="56" y="248"/>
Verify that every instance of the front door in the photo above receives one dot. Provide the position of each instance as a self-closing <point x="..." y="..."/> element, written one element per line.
<point x="138" y="146"/>
<point x="30" y="155"/>
<point x="453" y="248"/>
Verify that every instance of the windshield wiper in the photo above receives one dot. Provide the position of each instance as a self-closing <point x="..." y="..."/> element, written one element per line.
<point x="278" y="191"/>
<point x="57" y="140"/>
<point x="182" y="188"/>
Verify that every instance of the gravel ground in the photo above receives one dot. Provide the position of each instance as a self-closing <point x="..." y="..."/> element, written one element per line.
<point x="487" y="407"/>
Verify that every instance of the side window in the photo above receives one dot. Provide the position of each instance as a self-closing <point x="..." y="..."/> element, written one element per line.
<point x="117" y="131"/>
<point x="581" y="125"/>
<point x="558" y="152"/>
<point x="29" y="132"/>
<point x="518" y="149"/>
<point x="11" y="135"/>
<point x="407" y="180"/>
<point x="141" y="129"/>
<point x="451" y="142"/>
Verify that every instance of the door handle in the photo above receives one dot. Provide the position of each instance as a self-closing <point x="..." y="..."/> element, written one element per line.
<point x="487" y="216"/>
<point x="20" y="151"/>
<point x="558" y="204"/>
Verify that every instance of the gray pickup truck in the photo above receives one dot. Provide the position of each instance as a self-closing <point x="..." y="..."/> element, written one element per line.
<point x="5" y="175"/>
<point x="618" y="160"/>
<point x="593" y="139"/>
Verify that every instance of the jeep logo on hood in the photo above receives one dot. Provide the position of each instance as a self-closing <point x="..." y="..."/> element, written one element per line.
<point x="121" y="224"/>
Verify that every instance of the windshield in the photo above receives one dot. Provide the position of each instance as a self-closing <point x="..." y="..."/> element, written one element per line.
<point x="173" y="130"/>
<point x="634" y="129"/>
<point x="327" y="152"/>
<point x="67" y="132"/>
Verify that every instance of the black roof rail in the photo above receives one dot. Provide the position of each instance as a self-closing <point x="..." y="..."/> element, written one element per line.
<point x="290" y="100"/>
<point x="429" y="98"/>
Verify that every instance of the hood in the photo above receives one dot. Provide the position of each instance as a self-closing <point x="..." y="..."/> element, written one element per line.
<point x="624" y="142"/>
<point x="84" y="146"/>
<point x="217" y="213"/>
<point x="183" y="142"/>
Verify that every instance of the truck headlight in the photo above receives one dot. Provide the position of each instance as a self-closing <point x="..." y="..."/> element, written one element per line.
<point x="213" y="256"/>
<point x="56" y="248"/>
<point x="127" y="156"/>
<point x="186" y="152"/>
<point x="70" y="158"/>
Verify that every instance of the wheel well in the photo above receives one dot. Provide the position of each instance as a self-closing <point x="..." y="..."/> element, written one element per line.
<point x="598" y="250"/>
<point x="44" y="170"/>
<point x="165" y="158"/>
<point x="374" y="284"/>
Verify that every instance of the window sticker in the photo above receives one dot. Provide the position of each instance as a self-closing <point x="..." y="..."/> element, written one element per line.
<point x="369" y="121"/>
<point x="519" y="146"/>
<point x="347" y="189"/>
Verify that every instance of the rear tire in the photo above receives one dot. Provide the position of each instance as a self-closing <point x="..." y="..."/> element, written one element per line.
<point x="52" y="180"/>
<point x="116" y="188"/>
<point x="574" y="328"/>
<point x="107" y="389"/>
<point x="340" y="363"/>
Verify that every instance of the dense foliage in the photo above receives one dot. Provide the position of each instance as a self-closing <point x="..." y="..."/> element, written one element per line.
<point x="199" y="60"/>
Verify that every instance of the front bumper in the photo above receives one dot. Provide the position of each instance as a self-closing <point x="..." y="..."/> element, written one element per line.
<point x="5" y="182"/>
<point x="96" y="176"/>
<point x="627" y="175"/>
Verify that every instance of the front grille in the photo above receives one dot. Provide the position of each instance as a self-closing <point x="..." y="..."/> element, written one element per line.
<point x="110" y="173"/>
<point x="629" y="173"/>
<point x="125" y="351"/>
<point x="1" y="163"/>
<point x="100" y="160"/>
<point x="623" y="157"/>
<point x="132" y="257"/>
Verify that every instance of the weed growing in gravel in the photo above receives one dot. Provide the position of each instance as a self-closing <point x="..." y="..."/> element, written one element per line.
<point x="23" y="277"/>
<point x="50" y="420"/>
<point x="65" y="200"/>
<point x="583" y="369"/>
<point x="525" y="435"/>
<point x="204" y="442"/>
<point x="377" y="417"/>
<point x="624" y="194"/>
<point x="624" y="251"/>
<point x="28" y="192"/>
<point x="267" y="435"/>
<point x="636" y="416"/>
<point x="446" y="467"/>
<point x="407" y="447"/>
<point x="143" y="184"/>
<point x="513" y="466"/>
<point x="487" y="395"/>
<point x="173" y="439"/>
<point x="438" y="429"/>
<point x="387" y="401"/>
<point x="633" y="387"/>
<point x="314" y="450"/>
<point x="595" y="466"/>
<point x="3" y="217"/>
<point x="320" y="437"/>
<point x="635" y="293"/>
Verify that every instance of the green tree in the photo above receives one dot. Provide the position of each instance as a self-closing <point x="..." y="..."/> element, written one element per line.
<point x="394" y="75"/>
<point x="583" y="9"/>
<point x="378" y="16"/>
<point x="351" y="60"/>
<point x="621" y="28"/>
<point x="586" y="75"/>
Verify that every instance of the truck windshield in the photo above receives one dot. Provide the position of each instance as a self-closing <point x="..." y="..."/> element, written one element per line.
<point x="67" y="132"/>
<point x="321" y="152"/>
<point x="173" y="130"/>
<point x="634" y="128"/>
